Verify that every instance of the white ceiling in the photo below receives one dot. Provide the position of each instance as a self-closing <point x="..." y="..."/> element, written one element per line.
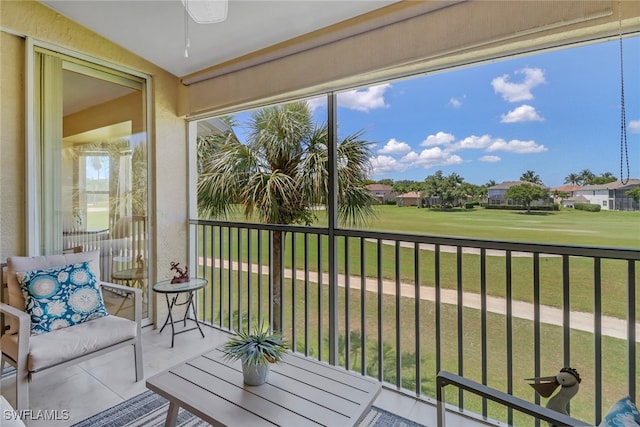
<point x="155" y="29"/>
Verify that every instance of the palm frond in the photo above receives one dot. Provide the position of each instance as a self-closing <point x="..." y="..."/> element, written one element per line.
<point x="282" y="171"/>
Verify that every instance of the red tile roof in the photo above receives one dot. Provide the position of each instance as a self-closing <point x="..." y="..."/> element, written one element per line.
<point x="378" y="187"/>
<point x="567" y="188"/>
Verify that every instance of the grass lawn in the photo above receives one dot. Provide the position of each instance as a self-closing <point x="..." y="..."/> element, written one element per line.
<point x="568" y="226"/>
<point x="618" y="229"/>
<point x="612" y="229"/>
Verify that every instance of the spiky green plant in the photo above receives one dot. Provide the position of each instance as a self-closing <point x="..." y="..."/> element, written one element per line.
<point x="257" y="348"/>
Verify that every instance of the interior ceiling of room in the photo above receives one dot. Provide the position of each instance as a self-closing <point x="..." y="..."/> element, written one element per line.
<point x="155" y="29"/>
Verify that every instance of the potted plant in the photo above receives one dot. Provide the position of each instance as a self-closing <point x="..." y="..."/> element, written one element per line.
<point x="256" y="350"/>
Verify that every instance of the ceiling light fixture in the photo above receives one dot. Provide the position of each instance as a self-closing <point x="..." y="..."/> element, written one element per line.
<point x="206" y="11"/>
<point x="202" y="12"/>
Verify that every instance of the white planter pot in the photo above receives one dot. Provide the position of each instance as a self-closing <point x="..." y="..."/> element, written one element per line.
<point x="255" y="374"/>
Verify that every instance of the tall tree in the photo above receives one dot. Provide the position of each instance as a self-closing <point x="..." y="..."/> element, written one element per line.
<point x="573" y="179"/>
<point x="280" y="174"/>
<point x="476" y="192"/>
<point x="531" y="176"/>
<point x="386" y="181"/>
<point x="634" y="194"/>
<point x="464" y="191"/>
<point x="603" y="178"/>
<point x="443" y="187"/>
<point x="405" y="185"/>
<point x="586" y="176"/>
<point x="527" y="193"/>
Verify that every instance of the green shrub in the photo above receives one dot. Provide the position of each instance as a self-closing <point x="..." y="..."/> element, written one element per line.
<point x="587" y="207"/>
<point x="469" y="205"/>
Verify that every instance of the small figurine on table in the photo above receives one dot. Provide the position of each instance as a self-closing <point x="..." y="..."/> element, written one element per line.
<point x="182" y="274"/>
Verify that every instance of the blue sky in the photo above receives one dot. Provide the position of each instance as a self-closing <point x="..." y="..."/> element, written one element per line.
<point x="554" y="113"/>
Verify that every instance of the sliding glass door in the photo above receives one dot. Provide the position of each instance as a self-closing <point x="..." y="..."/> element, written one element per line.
<point x="90" y="163"/>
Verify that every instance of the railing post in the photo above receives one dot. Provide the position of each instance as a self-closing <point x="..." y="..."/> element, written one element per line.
<point x="441" y="409"/>
<point x="631" y="328"/>
<point x="332" y="213"/>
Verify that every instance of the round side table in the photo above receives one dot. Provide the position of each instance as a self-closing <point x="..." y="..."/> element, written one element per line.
<point x="175" y="289"/>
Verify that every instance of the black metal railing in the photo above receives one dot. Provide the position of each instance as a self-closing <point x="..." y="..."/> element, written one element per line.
<point x="404" y="307"/>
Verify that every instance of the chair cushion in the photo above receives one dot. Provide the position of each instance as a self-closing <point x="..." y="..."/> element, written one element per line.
<point x="60" y="297"/>
<point x="623" y="413"/>
<point x="16" y="264"/>
<point x="65" y="344"/>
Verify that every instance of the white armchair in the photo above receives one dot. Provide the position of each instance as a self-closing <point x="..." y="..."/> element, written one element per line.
<point x="35" y="354"/>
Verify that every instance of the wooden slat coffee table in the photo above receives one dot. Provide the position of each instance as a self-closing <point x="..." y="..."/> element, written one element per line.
<point x="299" y="392"/>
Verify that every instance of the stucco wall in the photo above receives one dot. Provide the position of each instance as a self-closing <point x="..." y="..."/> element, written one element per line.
<point x="12" y="150"/>
<point x="168" y="148"/>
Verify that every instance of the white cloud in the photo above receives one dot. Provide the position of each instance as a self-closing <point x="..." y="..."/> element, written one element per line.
<point x="440" y="138"/>
<point x="395" y="147"/>
<point x="442" y="150"/>
<point x="634" y="126"/>
<point x="524" y="113"/>
<point x="516" y="146"/>
<point x="431" y="157"/>
<point x="364" y="99"/>
<point x="490" y="159"/>
<point x="472" y="142"/>
<point x="516" y="92"/>
<point x="455" y="103"/>
<point x="315" y="103"/>
<point x="385" y="164"/>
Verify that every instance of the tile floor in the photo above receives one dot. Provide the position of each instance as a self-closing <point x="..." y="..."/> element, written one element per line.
<point x="97" y="384"/>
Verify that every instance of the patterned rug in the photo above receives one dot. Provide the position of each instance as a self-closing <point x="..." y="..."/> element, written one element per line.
<point x="150" y="410"/>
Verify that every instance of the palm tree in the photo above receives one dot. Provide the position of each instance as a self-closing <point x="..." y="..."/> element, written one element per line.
<point x="603" y="178"/>
<point x="572" y="178"/>
<point x="281" y="174"/>
<point x="586" y="176"/>
<point x="608" y="176"/>
<point x="531" y="176"/>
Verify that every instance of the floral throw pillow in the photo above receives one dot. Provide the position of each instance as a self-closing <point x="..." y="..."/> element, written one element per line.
<point x="59" y="297"/>
<point x="623" y="413"/>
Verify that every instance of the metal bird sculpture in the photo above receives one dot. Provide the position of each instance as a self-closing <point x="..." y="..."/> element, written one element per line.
<point x="569" y="381"/>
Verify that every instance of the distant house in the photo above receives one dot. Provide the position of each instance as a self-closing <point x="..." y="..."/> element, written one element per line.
<point x="564" y="193"/>
<point x="611" y="196"/>
<point x="495" y="194"/>
<point x="571" y="201"/>
<point x="411" y="198"/>
<point x="384" y="193"/>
